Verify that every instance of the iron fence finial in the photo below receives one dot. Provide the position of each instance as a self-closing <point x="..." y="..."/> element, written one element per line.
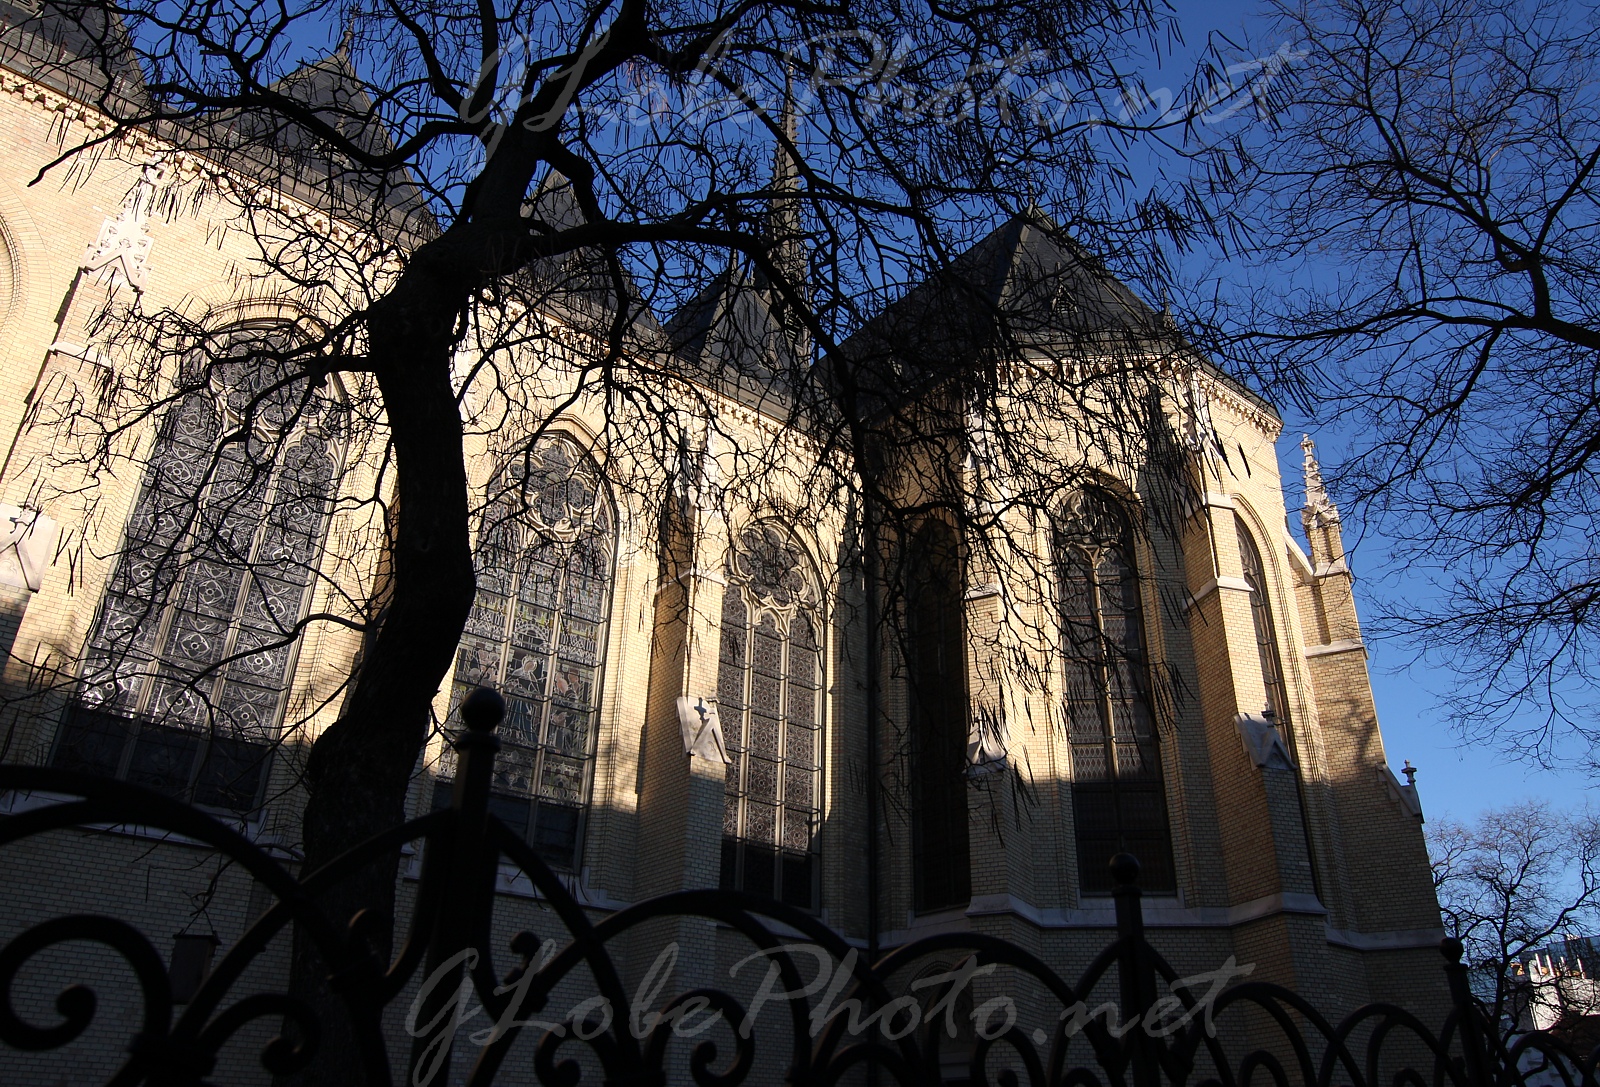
<point x="483" y="710"/>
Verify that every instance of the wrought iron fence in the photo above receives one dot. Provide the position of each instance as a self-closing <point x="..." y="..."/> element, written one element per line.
<point x="1158" y="1032"/>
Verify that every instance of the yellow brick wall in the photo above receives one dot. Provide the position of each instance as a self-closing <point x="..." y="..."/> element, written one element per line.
<point x="1239" y="832"/>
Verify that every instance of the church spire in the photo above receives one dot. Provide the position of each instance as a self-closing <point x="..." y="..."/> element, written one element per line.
<point x="347" y="37"/>
<point x="784" y="230"/>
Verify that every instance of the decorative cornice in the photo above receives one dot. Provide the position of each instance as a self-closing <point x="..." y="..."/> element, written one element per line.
<point x="185" y="167"/>
<point x="37" y="94"/>
<point x="1396" y="940"/>
<point x="1239" y="403"/>
<point x="1158" y="912"/>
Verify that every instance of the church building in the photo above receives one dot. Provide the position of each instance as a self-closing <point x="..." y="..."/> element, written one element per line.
<point x="936" y="703"/>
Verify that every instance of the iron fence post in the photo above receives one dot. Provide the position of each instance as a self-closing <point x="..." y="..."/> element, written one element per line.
<point x="1135" y="970"/>
<point x="465" y="859"/>
<point x="1474" y="1039"/>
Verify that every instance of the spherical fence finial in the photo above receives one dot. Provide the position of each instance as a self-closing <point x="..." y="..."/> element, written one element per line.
<point x="483" y="709"/>
<point x="1125" y="869"/>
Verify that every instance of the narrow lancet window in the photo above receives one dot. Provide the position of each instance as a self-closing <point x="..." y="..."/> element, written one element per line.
<point x="1118" y="797"/>
<point x="1266" y="635"/>
<point x="936" y="668"/>
<point x="769" y="698"/>
<point x="537" y="634"/>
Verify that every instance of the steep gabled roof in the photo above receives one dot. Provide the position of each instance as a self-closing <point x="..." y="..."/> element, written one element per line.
<point x="276" y="149"/>
<point x="729" y="336"/>
<point x="336" y="94"/>
<point x="70" y="46"/>
<point x="739" y="334"/>
<point x="1024" y="287"/>
<point x="580" y="283"/>
<point x="689" y="330"/>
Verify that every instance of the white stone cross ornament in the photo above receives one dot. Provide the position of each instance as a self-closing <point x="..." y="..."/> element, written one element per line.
<point x="27" y="547"/>
<point x="124" y="242"/>
<point x="702" y="730"/>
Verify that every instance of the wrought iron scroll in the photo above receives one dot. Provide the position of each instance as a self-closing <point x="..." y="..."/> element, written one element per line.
<point x="1262" y="1032"/>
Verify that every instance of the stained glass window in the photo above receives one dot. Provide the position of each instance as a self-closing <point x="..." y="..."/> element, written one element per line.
<point x="184" y="675"/>
<point x="537" y="634"/>
<point x="1118" y="798"/>
<point x="936" y="668"/>
<point x="769" y="696"/>
<point x="1266" y="640"/>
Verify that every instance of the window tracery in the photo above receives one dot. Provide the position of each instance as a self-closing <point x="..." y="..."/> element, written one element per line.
<point x="537" y="634"/>
<point x="184" y="677"/>
<point x="769" y="681"/>
<point x="1119" y="800"/>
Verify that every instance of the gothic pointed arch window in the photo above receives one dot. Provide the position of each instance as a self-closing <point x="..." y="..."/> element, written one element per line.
<point x="1277" y="707"/>
<point x="537" y="634"/>
<point x="1266" y="635"/>
<point x="1118" y="797"/>
<point x="936" y="689"/>
<point x="186" y="670"/>
<point x="769" y="699"/>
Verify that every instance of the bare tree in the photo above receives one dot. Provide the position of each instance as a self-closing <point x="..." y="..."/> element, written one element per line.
<point x="1417" y="251"/>
<point x="1512" y="884"/>
<point x="458" y="172"/>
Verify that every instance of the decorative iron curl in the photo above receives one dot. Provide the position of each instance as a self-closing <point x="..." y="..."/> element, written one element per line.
<point x="185" y="1051"/>
<point x="464" y="846"/>
<point x="1020" y="1044"/>
<point x="77" y="1003"/>
<point x="704" y="1054"/>
<point x="280" y="1056"/>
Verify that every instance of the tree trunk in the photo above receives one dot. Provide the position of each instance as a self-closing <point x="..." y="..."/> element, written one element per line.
<point x="359" y="769"/>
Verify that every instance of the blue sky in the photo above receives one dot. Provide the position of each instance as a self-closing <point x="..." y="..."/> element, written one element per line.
<point x="1456" y="779"/>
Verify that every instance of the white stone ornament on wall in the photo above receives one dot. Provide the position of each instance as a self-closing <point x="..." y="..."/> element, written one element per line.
<point x="27" y="547"/>
<point x="702" y="730"/>
<point x="124" y="243"/>
<point x="987" y="742"/>
<point x="707" y="494"/>
<point x="1263" y="742"/>
<point x="1202" y="438"/>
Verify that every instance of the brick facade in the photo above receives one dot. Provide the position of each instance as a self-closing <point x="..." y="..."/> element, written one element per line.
<point x="1314" y="870"/>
